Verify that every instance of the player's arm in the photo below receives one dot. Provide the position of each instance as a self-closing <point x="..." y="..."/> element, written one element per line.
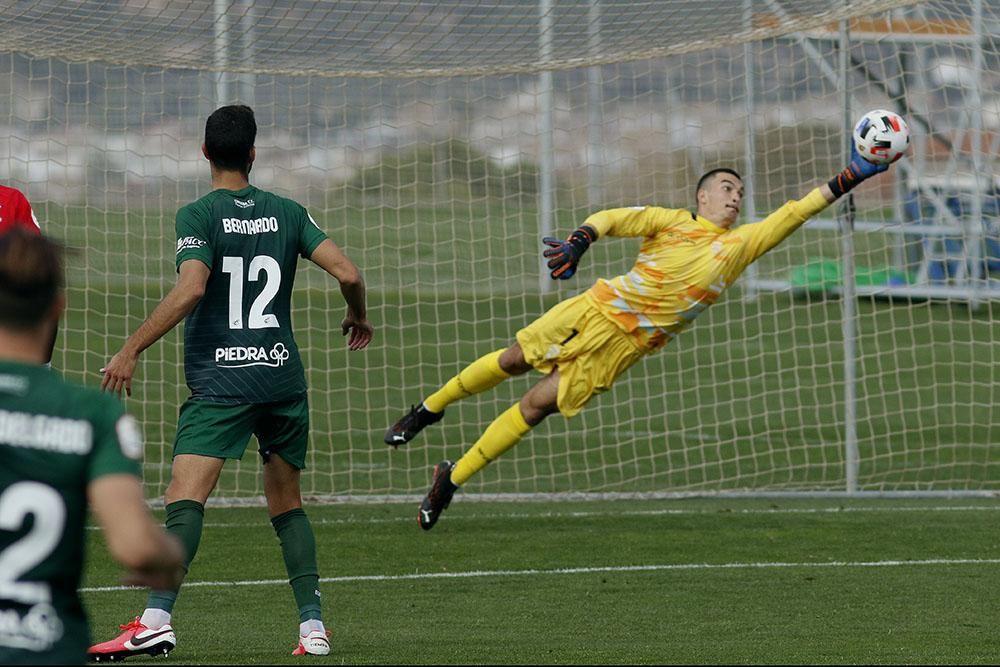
<point x="857" y="170"/>
<point x="332" y="259"/>
<point x="153" y="557"/>
<point x="24" y="216"/>
<point x="30" y="221"/>
<point x="637" y="221"/>
<point x="764" y="235"/>
<point x="192" y="276"/>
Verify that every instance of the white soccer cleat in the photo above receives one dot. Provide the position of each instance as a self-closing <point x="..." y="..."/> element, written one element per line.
<point x="136" y="640"/>
<point x="316" y="642"/>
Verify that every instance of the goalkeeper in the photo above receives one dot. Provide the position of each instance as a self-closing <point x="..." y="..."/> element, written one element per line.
<point x="583" y="344"/>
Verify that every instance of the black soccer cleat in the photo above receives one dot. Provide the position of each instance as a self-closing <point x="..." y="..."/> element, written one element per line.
<point x="439" y="497"/>
<point x="410" y="424"/>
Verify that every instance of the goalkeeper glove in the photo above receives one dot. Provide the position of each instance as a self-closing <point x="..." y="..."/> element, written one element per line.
<point x="858" y="170"/>
<point x="565" y="255"/>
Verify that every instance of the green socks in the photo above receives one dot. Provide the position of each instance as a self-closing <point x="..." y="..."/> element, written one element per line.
<point x="184" y="519"/>
<point x="298" y="547"/>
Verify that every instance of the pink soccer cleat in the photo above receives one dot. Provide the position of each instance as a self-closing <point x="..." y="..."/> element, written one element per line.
<point x="136" y="640"/>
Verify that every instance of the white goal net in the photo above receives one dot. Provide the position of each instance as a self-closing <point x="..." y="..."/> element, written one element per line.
<point x="436" y="141"/>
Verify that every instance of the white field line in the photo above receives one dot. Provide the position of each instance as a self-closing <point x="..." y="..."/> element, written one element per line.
<point x="650" y="513"/>
<point x="473" y="574"/>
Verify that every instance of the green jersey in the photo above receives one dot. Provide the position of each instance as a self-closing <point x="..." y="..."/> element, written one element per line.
<point x="55" y="438"/>
<point x="238" y="343"/>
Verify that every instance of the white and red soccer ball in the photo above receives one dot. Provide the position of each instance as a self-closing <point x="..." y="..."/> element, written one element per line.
<point x="881" y="136"/>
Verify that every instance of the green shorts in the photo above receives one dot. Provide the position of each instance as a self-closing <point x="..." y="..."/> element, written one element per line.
<point x="222" y="430"/>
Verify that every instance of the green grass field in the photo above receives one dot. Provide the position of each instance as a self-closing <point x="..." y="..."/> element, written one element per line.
<point x="626" y="582"/>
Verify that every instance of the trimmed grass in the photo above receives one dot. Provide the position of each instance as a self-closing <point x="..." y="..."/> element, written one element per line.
<point x="739" y="582"/>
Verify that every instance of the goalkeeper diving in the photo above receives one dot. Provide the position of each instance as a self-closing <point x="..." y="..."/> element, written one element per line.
<point x="584" y="343"/>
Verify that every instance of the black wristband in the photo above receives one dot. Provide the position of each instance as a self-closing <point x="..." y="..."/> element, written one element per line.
<point x="843" y="182"/>
<point x="589" y="231"/>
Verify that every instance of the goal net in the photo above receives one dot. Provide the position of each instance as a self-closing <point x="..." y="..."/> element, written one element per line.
<point x="436" y="141"/>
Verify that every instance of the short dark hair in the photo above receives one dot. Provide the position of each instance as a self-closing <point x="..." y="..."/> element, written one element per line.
<point x="230" y="133"/>
<point x="31" y="277"/>
<point x="709" y="175"/>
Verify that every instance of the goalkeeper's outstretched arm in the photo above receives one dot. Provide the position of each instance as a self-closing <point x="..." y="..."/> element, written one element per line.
<point x="760" y="237"/>
<point x="857" y="170"/>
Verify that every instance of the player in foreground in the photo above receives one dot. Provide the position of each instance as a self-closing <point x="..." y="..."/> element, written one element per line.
<point x="62" y="446"/>
<point x="237" y="251"/>
<point x="584" y="343"/>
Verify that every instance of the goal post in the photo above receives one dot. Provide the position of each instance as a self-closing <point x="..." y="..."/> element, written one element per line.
<point x="436" y="140"/>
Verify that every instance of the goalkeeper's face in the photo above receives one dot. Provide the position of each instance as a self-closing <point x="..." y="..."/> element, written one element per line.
<point x="720" y="199"/>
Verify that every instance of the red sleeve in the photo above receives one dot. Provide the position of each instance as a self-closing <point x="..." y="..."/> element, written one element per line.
<point x="15" y="211"/>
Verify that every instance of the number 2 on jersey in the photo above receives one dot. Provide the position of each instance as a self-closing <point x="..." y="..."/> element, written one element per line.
<point x="257" y="318"/>
<point x="46" y="506"/>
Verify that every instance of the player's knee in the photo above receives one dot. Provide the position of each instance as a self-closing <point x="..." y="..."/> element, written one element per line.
<point x="535" y="411"/>
<point x="284" y="501"/>
<point x="178" y="490"/>
<point x="512" y="360"/>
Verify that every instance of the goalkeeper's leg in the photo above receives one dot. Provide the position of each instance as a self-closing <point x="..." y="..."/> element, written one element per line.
<point x="506" y="431"/>
<point x="482" y="374"/>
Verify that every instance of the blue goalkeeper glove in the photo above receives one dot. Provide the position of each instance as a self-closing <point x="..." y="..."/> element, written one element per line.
<point x="565" y="255"/>
<point x="856" y="171"/>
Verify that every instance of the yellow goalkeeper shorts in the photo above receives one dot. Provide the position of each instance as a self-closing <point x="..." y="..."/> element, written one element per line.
<point x="589" y="350"/>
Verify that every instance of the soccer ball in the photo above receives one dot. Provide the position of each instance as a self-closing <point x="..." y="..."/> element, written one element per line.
<point x="881" y="136"/>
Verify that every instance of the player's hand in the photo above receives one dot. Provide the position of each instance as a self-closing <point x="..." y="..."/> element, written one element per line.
<point x="564" y="256"/>
<point x="165" y="572"/>
<point x="118" y="373"/>
<point x="862" y="168"/>
<point x="360" y="330"/>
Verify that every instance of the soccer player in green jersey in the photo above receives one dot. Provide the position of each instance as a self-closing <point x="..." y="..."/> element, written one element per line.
<point x="62" y="447"/>
<point x="237" y="251"/>
<point x="584" y="343"/>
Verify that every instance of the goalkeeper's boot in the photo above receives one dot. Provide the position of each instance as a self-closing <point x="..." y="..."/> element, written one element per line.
<point x="410" y="424"/>
<point x="439" y="497"/>
<point x="316" y="642"/>
<point x="136" y="640"/>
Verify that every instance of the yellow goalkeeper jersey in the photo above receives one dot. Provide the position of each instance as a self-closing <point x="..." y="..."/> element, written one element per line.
<point x="684" y="264"/>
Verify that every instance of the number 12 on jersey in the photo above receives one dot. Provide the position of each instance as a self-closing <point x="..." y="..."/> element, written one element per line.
<point x="256" y="318"/>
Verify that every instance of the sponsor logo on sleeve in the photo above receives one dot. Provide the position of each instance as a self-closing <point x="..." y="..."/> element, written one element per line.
<point x="13" y="384"/>
<point x="242" y="357"/>
<point x="189" y="242"/>
<point x="129" y="437"/>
